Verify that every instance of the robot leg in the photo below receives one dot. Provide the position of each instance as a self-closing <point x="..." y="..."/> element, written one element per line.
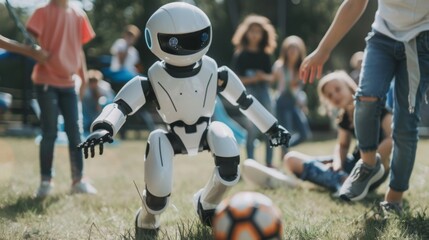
<point x="226" y="173"/>
<point x="158" y="178"/>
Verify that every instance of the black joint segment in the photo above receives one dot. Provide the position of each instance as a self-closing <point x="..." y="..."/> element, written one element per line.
<point x="228" y="167"/>
<point x="176" y="143"/>
<point x="149" y="93"/>
<point x="155" y="203"/>
<point x="103" y="126"/>
<point x="222" y="74"/>
<point x="204" y="145"/>
<point x="124" y="107"/>
<point x="244" y="101"/>
<point x="272" y="129"/>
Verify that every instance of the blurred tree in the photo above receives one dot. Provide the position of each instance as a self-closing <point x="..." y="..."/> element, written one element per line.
<point x="307" y="19"/>
<point x="8" y="27"/>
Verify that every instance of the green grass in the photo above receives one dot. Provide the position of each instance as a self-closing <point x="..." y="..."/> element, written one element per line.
<point x="309" y="212"/>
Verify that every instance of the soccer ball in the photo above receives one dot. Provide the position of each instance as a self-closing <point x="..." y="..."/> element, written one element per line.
<point x="247" y="215"/>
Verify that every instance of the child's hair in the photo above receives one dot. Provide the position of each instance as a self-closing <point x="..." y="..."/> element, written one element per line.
<point x="94" y="75"/>
<point x="292" y="41"/>
<point x="268" y="42"/>
<point x="355" y="59"/>
<point x="339" y="75"/>
<point x="132" y="30"/>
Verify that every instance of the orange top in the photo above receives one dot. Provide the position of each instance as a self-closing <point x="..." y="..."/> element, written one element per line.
<point x="62" y="32"/>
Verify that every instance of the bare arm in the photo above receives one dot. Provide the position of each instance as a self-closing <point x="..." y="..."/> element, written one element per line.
<point x="347" y="15"/>
<point x="10" y="45"/>
<point x="385" y="146"/>
<point x="83" y="75"/>
<point x="341" y="149"/>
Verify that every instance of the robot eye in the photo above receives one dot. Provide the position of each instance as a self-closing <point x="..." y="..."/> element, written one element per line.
<point x="173" y="42"/>
<point x="204" y="37"/>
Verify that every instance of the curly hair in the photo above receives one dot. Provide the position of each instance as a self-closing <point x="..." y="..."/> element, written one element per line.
<point x="268" y="43"/>
<point x="292" y="41"/>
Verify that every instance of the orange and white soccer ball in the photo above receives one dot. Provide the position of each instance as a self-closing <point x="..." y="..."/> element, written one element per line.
<point x="249" y="216"/>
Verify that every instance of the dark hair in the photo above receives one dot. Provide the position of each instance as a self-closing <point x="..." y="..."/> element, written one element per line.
<point x="268" y="43"/>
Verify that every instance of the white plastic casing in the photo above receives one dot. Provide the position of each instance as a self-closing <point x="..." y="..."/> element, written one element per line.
<point x="132" y="94"/>
<point x="176" y="18"/>
<point x="256" y="113"/>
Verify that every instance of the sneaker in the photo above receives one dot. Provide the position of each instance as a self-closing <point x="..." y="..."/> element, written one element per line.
<point x="45" y="189"/>
<point x="360" y="179"/>
<point x="389" y="209"/>
<point x="83" y="187"/>
<point x="146" y="233"/>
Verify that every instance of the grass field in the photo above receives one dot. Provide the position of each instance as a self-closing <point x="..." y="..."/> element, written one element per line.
<point x="309" y="212"/>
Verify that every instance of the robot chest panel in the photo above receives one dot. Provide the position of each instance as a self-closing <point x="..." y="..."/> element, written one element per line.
<point x="185" y="99"/>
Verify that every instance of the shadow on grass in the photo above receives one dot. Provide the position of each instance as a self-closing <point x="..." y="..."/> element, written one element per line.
<point x="372" y="229"/>
<point x="185" y="230"/>
<point x="416" y="225"/>
<point x="25" y="204"/>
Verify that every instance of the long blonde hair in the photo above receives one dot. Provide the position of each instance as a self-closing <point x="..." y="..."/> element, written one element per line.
<point x="268" y="43"/>
<point x="339" y="75"/>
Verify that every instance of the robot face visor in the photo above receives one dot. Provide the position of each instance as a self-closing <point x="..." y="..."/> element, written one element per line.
<point x="184" y="44"/>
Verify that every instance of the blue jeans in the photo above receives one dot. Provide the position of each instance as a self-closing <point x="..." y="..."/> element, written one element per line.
<point x="261" y="93"/>
<point x="385" y="60"/>
<point x="52" y="101"/>
<point x="292" y="118"/>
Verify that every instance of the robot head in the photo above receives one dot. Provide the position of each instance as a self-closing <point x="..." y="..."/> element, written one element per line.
<point x="179" y="33"/>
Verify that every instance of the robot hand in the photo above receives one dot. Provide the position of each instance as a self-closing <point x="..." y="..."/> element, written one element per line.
<point x="99" y="136"/>
<point x="278" y="136"/>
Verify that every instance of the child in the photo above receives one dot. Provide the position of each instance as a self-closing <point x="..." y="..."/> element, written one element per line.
<point x="397" y="47"/>
<point x="336" y="91"/>
<point x="125" y="57"/>
<point x="62" y="29"/>
<point x="97" y="95"/>
<point x="289" y="107"/>
<point x="255" y="41"/>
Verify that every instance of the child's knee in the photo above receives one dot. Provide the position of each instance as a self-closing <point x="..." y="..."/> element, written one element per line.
<point x="292" y="162"/>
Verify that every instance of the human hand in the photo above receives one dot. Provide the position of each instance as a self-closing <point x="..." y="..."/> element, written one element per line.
<point x="312" y="65"/>
<point x="40" y="55"/>
<point x="278" y="136"/>
<point x="98" y="137"/>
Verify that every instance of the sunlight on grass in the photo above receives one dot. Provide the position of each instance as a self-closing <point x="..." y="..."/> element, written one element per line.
<point x="309" y="212"/>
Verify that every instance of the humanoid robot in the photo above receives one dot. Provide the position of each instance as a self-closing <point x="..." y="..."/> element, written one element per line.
<point x="184" y="86"/>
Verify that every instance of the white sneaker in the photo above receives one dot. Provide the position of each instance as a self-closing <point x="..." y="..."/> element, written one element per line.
<point x="45" y="189"/>
<point x="83" y="187"/>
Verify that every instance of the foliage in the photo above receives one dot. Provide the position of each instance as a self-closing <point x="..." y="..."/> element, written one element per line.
<point x="307" y="19"/>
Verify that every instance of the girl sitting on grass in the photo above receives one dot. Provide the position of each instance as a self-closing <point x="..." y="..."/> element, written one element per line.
<point x="336" y="91"/>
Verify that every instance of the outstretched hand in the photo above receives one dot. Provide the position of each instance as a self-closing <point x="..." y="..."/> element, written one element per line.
<point x="98" y="137"/>
<point x="279" y="136"/>
<point x="312" y="66"/>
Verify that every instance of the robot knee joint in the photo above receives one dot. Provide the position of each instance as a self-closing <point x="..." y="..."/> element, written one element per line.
<point x="156" y="203"/>
<point x="228" y="167"/>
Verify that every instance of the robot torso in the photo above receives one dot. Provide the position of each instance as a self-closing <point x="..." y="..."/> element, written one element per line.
<point x="185" y="98"/>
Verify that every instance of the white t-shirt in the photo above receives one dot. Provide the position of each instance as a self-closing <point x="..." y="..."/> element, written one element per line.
<point x="131" y="59"/>
<point x="402" y="20"/>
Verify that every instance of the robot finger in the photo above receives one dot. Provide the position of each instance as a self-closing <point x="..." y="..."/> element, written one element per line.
<point x="85" y="150"/>
<point x="101" y="147"/>
<point x="92" y="148"/>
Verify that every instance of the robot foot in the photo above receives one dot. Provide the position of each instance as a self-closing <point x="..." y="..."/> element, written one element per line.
<point x="205" y="215"/>
<point x="142" y="233"/>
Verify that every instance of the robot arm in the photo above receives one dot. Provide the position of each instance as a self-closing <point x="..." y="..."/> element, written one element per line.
<point x="234" y="91"/>
<point x="129" y="99"/>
